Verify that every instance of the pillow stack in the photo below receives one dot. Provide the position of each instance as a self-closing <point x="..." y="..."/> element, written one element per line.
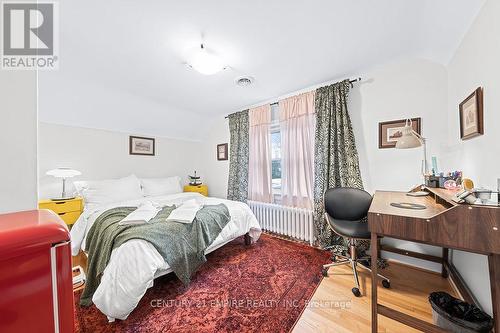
<point x="128" y="188"/>
<point x="111" y="190"/>
<point x="161" y="186"/>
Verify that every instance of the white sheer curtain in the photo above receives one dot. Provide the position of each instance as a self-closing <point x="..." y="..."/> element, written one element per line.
<point x="297" y="125"/>
<point x="259" y="171"/>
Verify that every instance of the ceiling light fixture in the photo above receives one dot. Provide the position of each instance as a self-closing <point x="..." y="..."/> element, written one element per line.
<point x="205" y="62"/>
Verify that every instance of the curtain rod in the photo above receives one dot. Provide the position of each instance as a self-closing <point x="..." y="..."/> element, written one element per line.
<point x="350" y="81"/>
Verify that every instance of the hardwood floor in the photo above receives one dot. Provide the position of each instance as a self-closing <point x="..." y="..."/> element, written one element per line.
<point x="410" y="288"/>
<point x="333" y="307"/>
<point x="80" y="260"/>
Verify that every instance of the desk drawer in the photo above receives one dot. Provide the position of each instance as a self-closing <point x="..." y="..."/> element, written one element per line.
<point x="62" y="206"/>
<point x="463" y="227"/>
<point x="202" y="189"/>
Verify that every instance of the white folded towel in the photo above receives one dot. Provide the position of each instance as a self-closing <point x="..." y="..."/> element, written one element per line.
<point x="143" y="214"/>
<point x="185" y="213"/>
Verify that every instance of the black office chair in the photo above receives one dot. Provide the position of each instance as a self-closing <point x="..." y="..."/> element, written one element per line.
<point x="346" y="209"/>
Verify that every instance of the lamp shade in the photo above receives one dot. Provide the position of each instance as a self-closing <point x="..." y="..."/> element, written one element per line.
<point x="63" y="173"/>
<point x="409" y="139"/>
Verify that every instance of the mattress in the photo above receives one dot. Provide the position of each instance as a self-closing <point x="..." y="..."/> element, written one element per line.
<point x="134" y="265"/>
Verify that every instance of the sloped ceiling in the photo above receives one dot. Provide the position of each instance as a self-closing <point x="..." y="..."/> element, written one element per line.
<point x="122" y="62"/>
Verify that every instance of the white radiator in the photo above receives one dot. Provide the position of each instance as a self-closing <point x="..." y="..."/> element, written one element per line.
<point x="287" y="221"/>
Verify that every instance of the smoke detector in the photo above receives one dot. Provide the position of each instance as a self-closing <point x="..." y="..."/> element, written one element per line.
<point x="244" y="81"/>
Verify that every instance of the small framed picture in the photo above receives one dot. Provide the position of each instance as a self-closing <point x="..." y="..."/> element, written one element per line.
<point x="390" y="131"/>
<point x="471" y="115"/>
<point x="141" y="146"/>
<point x="222" y="152"/>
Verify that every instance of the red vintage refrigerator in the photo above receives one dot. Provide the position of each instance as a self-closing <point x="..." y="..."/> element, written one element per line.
<point x="36" y="290"/>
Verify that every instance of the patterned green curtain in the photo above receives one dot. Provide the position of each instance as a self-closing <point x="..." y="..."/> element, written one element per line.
<point x="336" y="158"/>
<point x="237" y="187"/>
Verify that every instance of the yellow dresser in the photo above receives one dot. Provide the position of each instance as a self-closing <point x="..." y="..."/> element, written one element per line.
<point x="69" y="210"/>
<point x="202" y="189"/>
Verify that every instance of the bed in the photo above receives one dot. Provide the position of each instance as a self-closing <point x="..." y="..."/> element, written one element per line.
<point x="134" y="265"/>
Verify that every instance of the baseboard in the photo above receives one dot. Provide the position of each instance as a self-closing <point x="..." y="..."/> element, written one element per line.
<point x="458" y="283"/>
<point x="422" y="269"/>
<point x="454" y="277"/>
<point x="288" y="238"/>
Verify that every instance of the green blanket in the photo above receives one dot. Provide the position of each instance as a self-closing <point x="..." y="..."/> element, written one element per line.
<point x="182" y="245"/>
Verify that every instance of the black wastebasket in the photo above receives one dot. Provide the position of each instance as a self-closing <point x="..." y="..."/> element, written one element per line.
<point x="458" y="316"/>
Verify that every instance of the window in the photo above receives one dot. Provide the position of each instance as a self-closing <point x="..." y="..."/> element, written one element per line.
<point x="275" y="154"/>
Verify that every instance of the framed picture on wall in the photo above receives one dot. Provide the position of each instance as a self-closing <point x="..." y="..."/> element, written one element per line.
<point x="141" y="146"/>
<point x="390" y="131"/>
<point x="222" y="153"/>
<point x="471" y="115"/>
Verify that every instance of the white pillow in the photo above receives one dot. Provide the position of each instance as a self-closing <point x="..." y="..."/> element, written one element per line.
<point x="161" y="186"/>
<point x="110" y="190"/>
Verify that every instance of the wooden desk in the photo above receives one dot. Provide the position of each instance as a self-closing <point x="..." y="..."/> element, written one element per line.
<point x="444" y="223"/>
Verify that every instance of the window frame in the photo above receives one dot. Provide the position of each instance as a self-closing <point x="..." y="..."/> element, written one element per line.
<point x="273" y="129"/>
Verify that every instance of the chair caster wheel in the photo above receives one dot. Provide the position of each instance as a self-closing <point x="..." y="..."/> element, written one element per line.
<point x="324" y="272"/>
<point x="386" y="283"/>
<point x="356" y="292"/>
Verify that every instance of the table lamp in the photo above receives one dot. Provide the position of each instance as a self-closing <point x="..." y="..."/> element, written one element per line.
<point x="63" y="173"/>
<point x="411" y="139"/>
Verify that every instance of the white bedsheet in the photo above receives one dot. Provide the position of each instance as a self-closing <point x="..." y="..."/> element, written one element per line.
<point x="134" y="265"/>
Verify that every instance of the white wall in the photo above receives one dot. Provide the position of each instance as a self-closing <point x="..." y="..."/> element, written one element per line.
<point x="409" y="89"/>
<point x="18" y="131"/>
<point x="69" y="99"/>
<point x="476" y="63"/>
<point x="415" y="88"/>
<point x="215" y="173"/>
<point x="101" y="154"/>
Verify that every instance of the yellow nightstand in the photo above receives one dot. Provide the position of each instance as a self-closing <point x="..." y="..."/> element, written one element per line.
<point x="69" y="210"/>
<point x="202" y="189"/>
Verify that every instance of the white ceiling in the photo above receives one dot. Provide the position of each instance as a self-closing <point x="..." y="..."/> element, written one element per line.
<point x="139" y="47"/>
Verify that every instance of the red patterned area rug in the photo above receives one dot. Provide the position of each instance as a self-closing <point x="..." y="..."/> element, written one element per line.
<point x="259" y="288"/>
